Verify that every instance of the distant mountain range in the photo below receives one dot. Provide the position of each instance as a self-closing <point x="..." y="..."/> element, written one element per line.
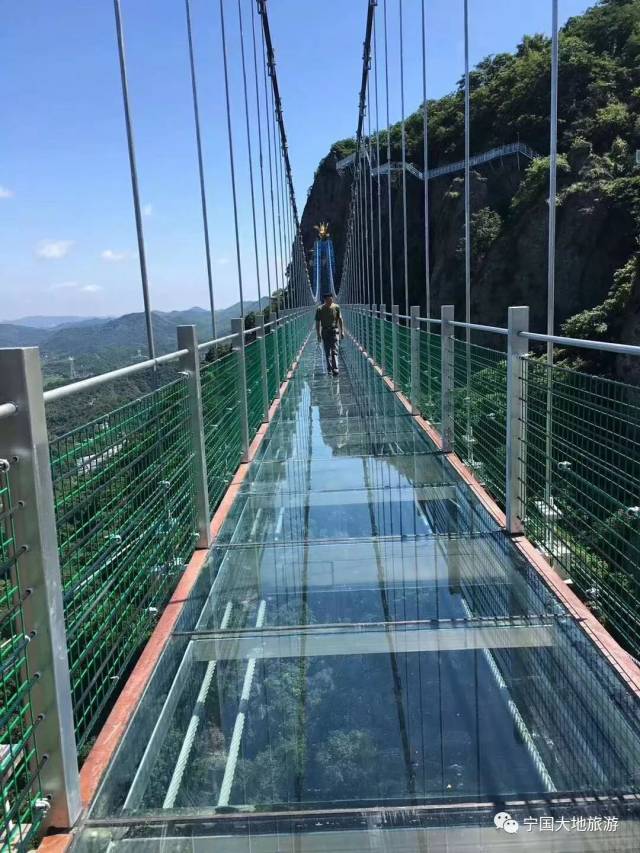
<point x="64" y="337"/>
<point x="44" y="321"/>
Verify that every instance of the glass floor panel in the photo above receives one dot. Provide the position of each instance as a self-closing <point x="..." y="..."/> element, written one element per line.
<point x="317" y="446"/>
<point x="368" y="662"/>
<point x="366" y="408"/>
<point x="372" y="581"/>
<point x="445" y="510"/>
<point x="396" y="422"/>
<point x="301" y="475"/>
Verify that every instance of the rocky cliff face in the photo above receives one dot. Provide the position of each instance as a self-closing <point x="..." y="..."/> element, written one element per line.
<point x="596" y="236"/>
<point x="598" y="211"/>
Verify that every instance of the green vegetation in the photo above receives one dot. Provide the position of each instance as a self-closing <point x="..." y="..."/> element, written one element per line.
<point x="598" y="179"/>
<point x="598" y="97"/>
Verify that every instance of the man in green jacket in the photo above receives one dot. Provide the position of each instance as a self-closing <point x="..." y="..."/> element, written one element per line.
<point x="329" y="328"/>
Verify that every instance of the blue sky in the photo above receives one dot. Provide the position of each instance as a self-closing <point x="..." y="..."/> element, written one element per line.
<point x="67" y="235"/>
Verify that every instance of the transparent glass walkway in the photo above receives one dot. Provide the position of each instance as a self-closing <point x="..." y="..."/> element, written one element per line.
<point x="368" y="663"/>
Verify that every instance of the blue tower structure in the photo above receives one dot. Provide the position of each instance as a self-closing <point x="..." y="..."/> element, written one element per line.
<point x="324" y="263"/>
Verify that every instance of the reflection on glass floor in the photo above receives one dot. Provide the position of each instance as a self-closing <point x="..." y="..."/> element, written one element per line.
<point x="366" y="651"/>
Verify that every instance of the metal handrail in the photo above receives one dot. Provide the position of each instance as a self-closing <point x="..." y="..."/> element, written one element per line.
<point x="208" y="344"/>
<point x="559" y="340"/>
<point x="478" y="327"/>
<point x="605" y="346"/>
<point x="63" y="391"/>
<point x="94" y="381"/>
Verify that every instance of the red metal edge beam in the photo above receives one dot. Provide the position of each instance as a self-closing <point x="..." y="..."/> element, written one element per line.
<point x="622" y="662"/>
<point x="112" y="733"/>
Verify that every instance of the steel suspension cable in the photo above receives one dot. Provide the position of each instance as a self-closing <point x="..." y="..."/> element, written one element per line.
<point x="365" y="213"/>
<point x="404" y="164"/>
<point x="553" y="159"/>
<point x="231" y="157"/>
<point x="467" y="225"/>
<point x="425" y="168"/>
<point x="551" y="260"/>
<point x="361" y="213"/>
<point x="285" y="234"/>
<point x="277" y="102"/>
<point x="276" y="158"/>
<point x="276" y="346"/>
<point x="366" y="60"/>
<point x="389" y="213"/>
<point x="373" y="256"/>
<point x="249" y="153"/>
<point x="273" y="216"/>
<point x="290" y="245"/>
<point x="133" y="169"/>
<point x="260" y="151"/>
<point x="467" y="178"/>
<point x="203" y="194"/>
<point x="375" y="76"/>
<point x="425" y="156"/>
<point x="291" y="255"/>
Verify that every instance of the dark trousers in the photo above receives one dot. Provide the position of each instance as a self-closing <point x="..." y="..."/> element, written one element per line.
<point x="330" y="343"/>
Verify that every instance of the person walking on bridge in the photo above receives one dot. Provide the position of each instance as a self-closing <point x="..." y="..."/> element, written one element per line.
<point x="329" y="328"/>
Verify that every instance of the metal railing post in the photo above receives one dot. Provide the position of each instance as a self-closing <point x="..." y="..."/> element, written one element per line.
<point x="447" y="333"/>
<point x="517" y="348"/>
<point x="415" y="359"/>
<point x="190" y="365"/>
<point x="237" y="329"/>
<point x="24" y="441"/>
<point x="263" y="365"/>
<point x="395" y="310"/>
<point x="383" y="357"/>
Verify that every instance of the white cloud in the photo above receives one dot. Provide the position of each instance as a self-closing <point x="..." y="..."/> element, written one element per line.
<point x="53" y="250"/>
<point x="222" y="261"/>
<point x="6" y="193"/>
<point x="147" y="210"/>
<point x="111" y="256"/>
<point x="64" y="285"/>
<point x="74" y="285"/>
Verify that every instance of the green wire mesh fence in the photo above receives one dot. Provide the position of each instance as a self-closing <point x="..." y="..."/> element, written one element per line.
<point x="580" y="467"/>
<point x="255" y="398"/>
<point x="272" y="366"/>
<point x="403" y="379"/>
<point x="284" y="355"/>
<point x="222" y="428"/>
<point x="388" y="346"/>
<point x="480" y="413"/>
<point x="377" y="354"/>
<point x="582" y="470"/>
<point x="21" y="814"/>
<point x="125" y="508"/>
<point x="125" y="516"/>
<point x="430" y="377"/>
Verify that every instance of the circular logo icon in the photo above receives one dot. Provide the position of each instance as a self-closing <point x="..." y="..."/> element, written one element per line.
<point x="503" y="820"/>
<point x="500" y="819"/>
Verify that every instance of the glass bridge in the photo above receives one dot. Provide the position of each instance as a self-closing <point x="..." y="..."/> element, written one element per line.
<point x="368" y="661"/>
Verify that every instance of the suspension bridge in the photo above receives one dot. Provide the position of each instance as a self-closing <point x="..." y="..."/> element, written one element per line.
<point x="265" y="608"/>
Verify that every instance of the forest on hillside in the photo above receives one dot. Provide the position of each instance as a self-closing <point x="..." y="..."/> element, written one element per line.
<point x="598" y="216"/>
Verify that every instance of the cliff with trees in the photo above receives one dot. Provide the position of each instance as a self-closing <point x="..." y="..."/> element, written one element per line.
<point x="598" y="205"/>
